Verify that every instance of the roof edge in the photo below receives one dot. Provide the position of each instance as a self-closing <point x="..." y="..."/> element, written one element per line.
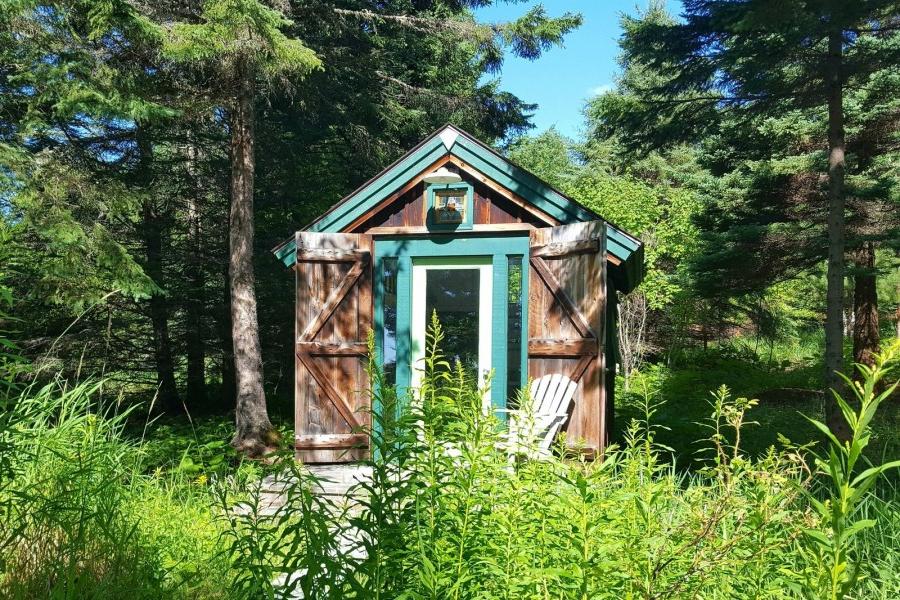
<point x="451" y="139"/>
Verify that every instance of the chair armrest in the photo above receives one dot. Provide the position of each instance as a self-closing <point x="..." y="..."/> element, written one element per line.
<point x="519" y="410"/>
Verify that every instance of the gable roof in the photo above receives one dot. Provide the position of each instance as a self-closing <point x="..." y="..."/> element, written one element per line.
<point x="627" y="250"/>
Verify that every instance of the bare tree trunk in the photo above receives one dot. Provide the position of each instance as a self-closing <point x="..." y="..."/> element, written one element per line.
<point x="897" y="314"/>
<point x="834" y="334"/>
<point x="865" y="306"/>
<point x="254" y="432"/>
<point x="196" y="354"/>
<point x="632" y="328"/>
<point x="229" y="386"/>
<point x="159" y="315"/>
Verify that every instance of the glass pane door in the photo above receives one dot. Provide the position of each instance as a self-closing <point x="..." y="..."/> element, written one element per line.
<point x="453" y="295"/>
<point x="459" y="291"/>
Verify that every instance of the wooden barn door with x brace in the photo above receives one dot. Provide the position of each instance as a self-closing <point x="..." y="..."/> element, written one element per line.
<point x="334" y="316"/>
<point x="567" y="298"/>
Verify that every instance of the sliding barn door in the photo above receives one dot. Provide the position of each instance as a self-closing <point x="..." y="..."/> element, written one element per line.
<point x="567" y="287"/>
<point x="334" y="316"/>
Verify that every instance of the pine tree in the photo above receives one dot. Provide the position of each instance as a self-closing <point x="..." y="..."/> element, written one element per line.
<point x="731" y="69"/>
<point x="244" y="39"/>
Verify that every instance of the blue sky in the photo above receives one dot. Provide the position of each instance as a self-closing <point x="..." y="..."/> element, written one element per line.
<point x="564" y="78"/>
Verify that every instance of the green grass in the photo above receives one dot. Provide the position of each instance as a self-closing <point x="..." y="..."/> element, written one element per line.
<point x="79" y="517"/>
<point x="97" y="504"/>
<point x="194" y="450"/>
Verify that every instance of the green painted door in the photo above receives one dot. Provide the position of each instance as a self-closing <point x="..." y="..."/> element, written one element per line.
<point x="475" y="284"/>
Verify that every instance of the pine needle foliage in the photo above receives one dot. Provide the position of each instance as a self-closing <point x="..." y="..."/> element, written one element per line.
<point x="242" y="31"/>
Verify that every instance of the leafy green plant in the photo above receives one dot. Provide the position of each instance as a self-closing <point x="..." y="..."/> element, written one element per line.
<point x="80" y="520"/>
<point x="831" y="542"/>
<point x="284" y="542"/>
<point x="441" y="512"/>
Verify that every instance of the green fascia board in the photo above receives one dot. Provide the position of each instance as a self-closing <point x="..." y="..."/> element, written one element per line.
<point x="521" y="182"/>
<point x="537" y="192"/>
<point x="619" y="244"/>
<point x="368" y="196"/>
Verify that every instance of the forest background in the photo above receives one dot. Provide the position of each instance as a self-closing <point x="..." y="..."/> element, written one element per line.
<point x="149" y="150"/>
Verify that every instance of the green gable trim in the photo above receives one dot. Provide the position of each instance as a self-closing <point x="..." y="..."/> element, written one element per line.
<point x="621" y="245"/>
<point x="521" y="182"/>
<point x="379" y="189"/>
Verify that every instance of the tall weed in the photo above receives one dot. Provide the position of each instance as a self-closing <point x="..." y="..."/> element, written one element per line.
<point x="76" y="523"/>
<point x="447" y="515"/>
<point x="848" y="480"/>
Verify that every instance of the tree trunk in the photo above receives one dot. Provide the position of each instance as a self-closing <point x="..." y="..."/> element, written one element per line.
<point x="834" y="334"/>
<point x="897" y="313"/>
<point x="865" y="307"/>
<point x="228" y="396"/>
<point x="167" y="391"/>
<point x="632" y="327"/>
<point x="254" y="433"/>
<point x="196" y="355"/>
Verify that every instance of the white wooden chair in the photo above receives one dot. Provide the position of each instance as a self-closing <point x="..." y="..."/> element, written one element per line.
<point x="533" y="429"/>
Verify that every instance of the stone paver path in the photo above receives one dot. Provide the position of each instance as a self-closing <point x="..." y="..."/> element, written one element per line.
<point x="335" y="483"/>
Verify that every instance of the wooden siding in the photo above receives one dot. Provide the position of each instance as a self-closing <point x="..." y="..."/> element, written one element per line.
<point x="566" y="321"/>
<point x="490" y="207"/>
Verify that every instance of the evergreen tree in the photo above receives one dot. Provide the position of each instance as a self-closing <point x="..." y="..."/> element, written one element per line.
<point x="244" y="39"/>
<point x="115" y="130"/>
<point x="72" y="101"/>
<point x="66" y="115"/>
<point x="768" y="81"/>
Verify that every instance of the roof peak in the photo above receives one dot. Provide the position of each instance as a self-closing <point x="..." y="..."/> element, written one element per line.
<point x="448" y="135"/>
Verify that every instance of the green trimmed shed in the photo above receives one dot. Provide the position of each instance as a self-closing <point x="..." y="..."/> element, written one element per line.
<point x="522" y="277"/>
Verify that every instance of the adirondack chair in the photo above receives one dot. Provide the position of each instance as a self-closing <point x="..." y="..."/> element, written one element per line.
<point x="533" y="429"/>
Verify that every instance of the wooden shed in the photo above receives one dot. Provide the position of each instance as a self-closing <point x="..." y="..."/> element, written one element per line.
<point x="522" y="277"/>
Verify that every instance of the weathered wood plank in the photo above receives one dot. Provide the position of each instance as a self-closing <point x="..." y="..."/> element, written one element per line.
<point x="365" y="298"/>
<point x="421" y="229"/>
<point x="331" y="255"/>
<point x="563" y="347"/>
<point x="560" y="249"/>
<point x="562" y="296"/>
<point x="393" y="197"/>
<point x="331" y="441"/>
<point x="331" y="303"/>
<point x="581" y="366"/>
<point x="537" y="292"/>
<point x="330" y="392"/>
<point x="502" y="215"/>
<point x="333" y="348"/>
<point x="564" y="335"/>
<point x="334" y="314"/>
<point x="482" y="214"/>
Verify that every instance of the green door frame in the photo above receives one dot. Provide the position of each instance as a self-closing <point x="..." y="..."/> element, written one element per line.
<point x="500" y="248"/>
